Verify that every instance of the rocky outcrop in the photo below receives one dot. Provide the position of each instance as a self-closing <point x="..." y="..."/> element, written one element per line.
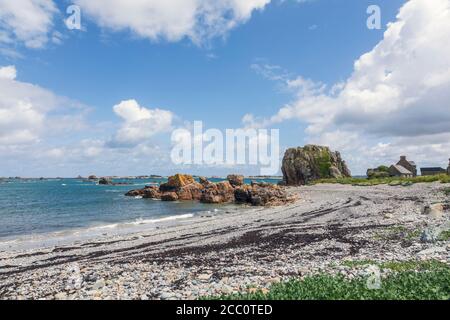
<point x="149" y="192"/>
<point x="169" y="196"/>
<point x="262" y="194"/>
<point x="185" y="188"/>
<point x="192" y="191"/>
<point x="236" y="180"/>
<point x="303" y="165"/>
<point x="105" y="181"/>
<point x="220" y="192"/>
<point x="176" y="182"/>
<point x="204" y="181"/>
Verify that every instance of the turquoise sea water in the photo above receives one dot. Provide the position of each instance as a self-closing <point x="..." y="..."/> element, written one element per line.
<point x="36" y="206"/>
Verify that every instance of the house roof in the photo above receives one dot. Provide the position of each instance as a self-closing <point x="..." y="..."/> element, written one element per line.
<point x="412" y="163"/>
<point x="401" y="169"/>
<point x="432" y="169"/>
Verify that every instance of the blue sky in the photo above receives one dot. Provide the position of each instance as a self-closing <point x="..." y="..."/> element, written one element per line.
<point x="215" y="80"/>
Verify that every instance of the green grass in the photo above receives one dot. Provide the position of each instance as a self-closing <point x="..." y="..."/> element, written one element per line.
<point x="446" y="191"/>
<point x="324" y="163"/>
<point x="396" y="232"/>
<point x="431" y="283"/>
<point x="400" y="266"/>
<point x="394" y="181"/>
<point x="444" y="236"/>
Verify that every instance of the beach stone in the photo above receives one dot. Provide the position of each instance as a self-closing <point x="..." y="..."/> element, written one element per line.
<point x="204" y="276"/>
<point x="166" y="295"/>
<point x="434" y="211"/>
<point x="430" y="235"/>
<point x="61" y="296"/>
<point x="99" y="284"/>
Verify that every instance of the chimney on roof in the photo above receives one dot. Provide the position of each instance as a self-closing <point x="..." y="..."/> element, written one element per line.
<point x="403" y="158"/>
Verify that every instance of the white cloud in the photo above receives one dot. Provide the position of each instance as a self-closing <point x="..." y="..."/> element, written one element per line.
<point x="27" y="21"/>
<point x="140" y="123"/>
<point x="397" y="96"/>
<point x="25" y="110"/>
<point x="172" y="20"/>
<point x="8" y="72"/>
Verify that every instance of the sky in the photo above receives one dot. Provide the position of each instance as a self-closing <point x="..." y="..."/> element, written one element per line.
<point x="105" y="99"/>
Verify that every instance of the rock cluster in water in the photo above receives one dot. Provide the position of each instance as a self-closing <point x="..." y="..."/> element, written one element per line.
<point x="303" y="165"/>
<point x="186" y="188"/>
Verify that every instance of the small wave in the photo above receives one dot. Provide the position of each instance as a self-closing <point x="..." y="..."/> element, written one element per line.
<point x="141" y="221"/>
<point x="170" y="218"/>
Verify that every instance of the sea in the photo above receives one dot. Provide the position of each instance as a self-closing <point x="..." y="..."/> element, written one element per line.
<point x="48" y="209"/>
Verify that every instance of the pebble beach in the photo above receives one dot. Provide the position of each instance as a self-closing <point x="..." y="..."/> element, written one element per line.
<point x="239" y="250"/>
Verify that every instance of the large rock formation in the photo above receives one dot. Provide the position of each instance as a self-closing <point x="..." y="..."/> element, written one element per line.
<point x="185" y="188"/>
<point x="303" y="165"/>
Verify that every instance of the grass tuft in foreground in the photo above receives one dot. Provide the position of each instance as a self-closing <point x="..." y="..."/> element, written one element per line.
<point x="431" y="282"/>
<point x="394" y="181"/>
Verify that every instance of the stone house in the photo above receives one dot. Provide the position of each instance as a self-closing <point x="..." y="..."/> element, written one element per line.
<point x="408" y="165"/>
<point x="397" y="170"/>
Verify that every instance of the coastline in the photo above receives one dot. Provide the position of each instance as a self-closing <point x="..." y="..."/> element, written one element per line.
<point x="227" y="253"/>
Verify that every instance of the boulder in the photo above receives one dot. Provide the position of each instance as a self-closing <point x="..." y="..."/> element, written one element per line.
<point x="192" y="191"/>
<point x="135" y="193"/>
<point x="434" y="211"/>
<point x="303" y="165"/>
<point x="169" y="196"/>
<point x="236" y="180"/>
<point x="204" y="181"/>
<point x="176" y="182"/>
<point x="220" y="192"/>
<point x="105" y="181"/>
<point x="242" y="194"/>
<point x="267" y="195"/>
<point x="151" y="192"/>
